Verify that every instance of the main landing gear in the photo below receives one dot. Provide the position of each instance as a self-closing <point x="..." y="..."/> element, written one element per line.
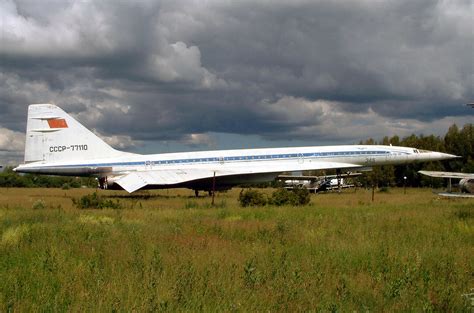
<point x="196" y="193"/>
<point x="103" y="184"/>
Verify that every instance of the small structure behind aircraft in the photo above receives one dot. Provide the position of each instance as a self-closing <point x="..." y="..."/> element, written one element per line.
<point x="466" y="183"/>
<point x="318" y="183"/>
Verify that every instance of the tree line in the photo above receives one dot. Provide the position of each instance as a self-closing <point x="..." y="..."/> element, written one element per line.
<point x="458" y="141"/>
<point x="9" y="178"/>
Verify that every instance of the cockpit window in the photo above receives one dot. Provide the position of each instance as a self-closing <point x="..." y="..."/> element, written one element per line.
<point x="420" y="151"/>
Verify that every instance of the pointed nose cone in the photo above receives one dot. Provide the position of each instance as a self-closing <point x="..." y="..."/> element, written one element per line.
<point x="443" y="156"/>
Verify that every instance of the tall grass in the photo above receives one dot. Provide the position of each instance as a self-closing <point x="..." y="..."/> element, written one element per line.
<point x="172" y="252"/>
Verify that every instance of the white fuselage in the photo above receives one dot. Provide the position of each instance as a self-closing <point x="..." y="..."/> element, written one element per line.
<point x="361" y="155"/>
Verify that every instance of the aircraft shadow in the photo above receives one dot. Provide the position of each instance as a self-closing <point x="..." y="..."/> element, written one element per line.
<point x="148" y="197"/>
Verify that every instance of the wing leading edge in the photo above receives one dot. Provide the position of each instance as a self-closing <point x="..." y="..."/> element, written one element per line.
<point x="446" y="174"/>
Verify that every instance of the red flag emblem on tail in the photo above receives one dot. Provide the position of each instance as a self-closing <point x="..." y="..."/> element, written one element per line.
<point x="57" y="123"/>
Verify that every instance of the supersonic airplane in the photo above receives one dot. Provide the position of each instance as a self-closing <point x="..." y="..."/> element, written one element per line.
<point x="57" y="144"/>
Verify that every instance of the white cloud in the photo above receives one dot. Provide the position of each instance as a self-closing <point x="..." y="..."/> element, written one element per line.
<point x="23" y="90"/>
<point x="121" y="142"/>
<point x="11" y="140"/>
<point x="296" y="111"/>
<point x="180" y="63"/>
<point x="86" y="29"/>
<point x="326" y="121"/>
<point x="78" y="29"/>
<point x="199" y="140"/>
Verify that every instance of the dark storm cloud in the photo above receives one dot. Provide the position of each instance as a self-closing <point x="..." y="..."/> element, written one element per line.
<point x="176" y="70"/>
<point x="357" y="52"/>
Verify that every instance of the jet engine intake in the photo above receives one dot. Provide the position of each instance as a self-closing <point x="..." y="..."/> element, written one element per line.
<point x="467" y="185"/>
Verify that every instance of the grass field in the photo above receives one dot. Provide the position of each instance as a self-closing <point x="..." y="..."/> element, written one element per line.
<point x="168" y="251"/>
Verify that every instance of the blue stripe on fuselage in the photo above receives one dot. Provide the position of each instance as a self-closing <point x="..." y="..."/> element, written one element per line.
<point x="237" y="158"/>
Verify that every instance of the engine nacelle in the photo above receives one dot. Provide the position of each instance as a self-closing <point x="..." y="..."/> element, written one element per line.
<point x="467" y="185"/>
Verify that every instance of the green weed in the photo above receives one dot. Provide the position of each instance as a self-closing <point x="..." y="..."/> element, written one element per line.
<point x="94" y="201"/>
<point x="252" y="197"/>
<point x="403" y="252"/>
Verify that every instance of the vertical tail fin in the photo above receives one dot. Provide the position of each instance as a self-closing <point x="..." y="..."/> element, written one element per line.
<point x="53" y="135"/>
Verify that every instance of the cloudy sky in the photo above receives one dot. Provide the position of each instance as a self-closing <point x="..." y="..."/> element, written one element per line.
<point x="158" y="76"/>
